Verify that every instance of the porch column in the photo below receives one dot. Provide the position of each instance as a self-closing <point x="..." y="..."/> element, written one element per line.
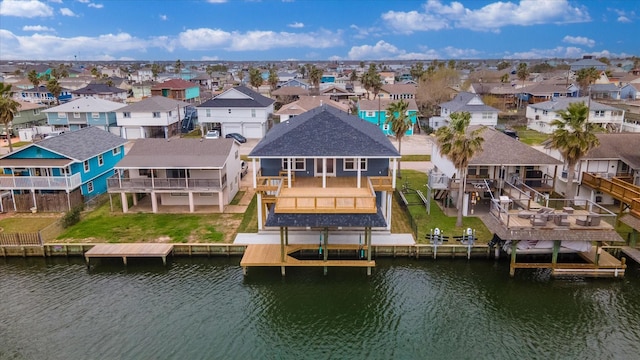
<point x="69" y="200"/>
<point x="220" y="202"/>
<point x="166" y="132"/>
<point x="393" y="178"/>
<point x="33" y="196"/>
<point x="260" y="205"/>
<point x="135" y="199"/>
<point x="389" y="212"/>
<point x="324" y="173"/>
<point x="255" y="174"/>
<point x="125" y="202"/>
<point x="191" y="205"/>
<point x="289" y="162"/>
<point x="154" y="202"/>
<point x="367" y="235"/>
<point x="359" y="172"/>
<point x="383" y="202"/>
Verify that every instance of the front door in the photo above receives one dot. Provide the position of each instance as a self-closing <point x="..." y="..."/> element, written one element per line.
<point x="331" y="167"/>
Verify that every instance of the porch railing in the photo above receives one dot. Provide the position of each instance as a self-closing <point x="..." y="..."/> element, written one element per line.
<point x="114" y="183"/>
<point x="13" y="182"/>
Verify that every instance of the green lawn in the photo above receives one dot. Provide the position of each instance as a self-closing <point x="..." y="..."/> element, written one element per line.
<point x="26" y="224"/>
<point x="437" y="218"/>
<point x="416" y="158"/>
<point x="530" y="137"/>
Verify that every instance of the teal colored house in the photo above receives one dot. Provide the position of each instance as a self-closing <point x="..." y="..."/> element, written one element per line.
<point x="83" y="112"/>
<point x="375" y="112"/>
<point x="177" y="89"/>
<point x="60" y="172"/>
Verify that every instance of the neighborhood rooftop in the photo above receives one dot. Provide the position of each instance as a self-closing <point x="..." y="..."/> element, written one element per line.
<point x="177" y="153"/>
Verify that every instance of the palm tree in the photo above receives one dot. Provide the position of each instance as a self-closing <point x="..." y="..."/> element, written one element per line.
<point x="459" y="145"/>
<point x="273" y="78"/>
<point x="400" y="123"/>
<point x="8" y="107"/>
<point x="33" y="78"/>
<point x="95" y="72"/>
<point x="573" y="137"/>
<point x="53" y="86"/>
<point x="522" y="73"/>
<point x="371" y="80"/>
<point x="255" y="78"/>
<point x="178" y="66"/>
<point x="587" y="76"/>
<point x="315" y="75"/>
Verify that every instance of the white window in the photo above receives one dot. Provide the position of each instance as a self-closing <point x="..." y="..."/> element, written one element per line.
<point x="350" y="164"/>
<point x="544" y="112"/>
<point x="208" y="113"/>
<point x="296" y="164"/>
<point x="95" y="115"/>
<point x="100" y="160"/>
<point x="369" y="113"/>
<point x="17" y="114"/>
<point x="599" y="113"/>
<point x="156" y="114"/>
<point x="76" y="115"/>
<point x="236" y="154"/>
<point x="487" y="115"/>
<point x="90" y="186"/>
<point x="385" y="127"/>
<point x="126" y="114"/>
<point x="229" y="111"/>
<point x="86" y="165"/>
<point x="116" y="151"/>
<point x="62" y="115"/>
<point x="253" y="112"/>
<point x="36" y="111"/>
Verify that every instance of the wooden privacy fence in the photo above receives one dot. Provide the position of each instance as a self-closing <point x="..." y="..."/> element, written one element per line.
<point x="20" y="239"/>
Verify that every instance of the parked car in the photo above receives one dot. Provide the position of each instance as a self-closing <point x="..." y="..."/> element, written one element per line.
<point x="212" y="134"/>
<point x="244" y="168"/>
<point x="52" y="134"/>
<point x="239" y="138"/>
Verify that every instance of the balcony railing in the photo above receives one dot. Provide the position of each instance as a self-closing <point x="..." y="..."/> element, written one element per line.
<point x="116" y="184"/>
<point x="12" y="182"/>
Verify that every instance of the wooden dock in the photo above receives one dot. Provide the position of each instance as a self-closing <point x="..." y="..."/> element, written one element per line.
<point x="124" y="251"/>
<point x="271" y="255"/>
<point x="633" y="253"/>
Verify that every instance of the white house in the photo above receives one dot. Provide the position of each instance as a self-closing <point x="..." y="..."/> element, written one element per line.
<point x="154" y="117"/>
<point x="540" y="115"/>
<point x="481" y="114"/>
<point x="237" y="110"/>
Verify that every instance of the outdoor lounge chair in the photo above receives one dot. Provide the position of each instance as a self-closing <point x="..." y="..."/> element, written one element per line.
<point x="561" y="220"/>
<point x="582" y="221"/>
<point x="594" y="220"/>
<point x="538" y="220"/>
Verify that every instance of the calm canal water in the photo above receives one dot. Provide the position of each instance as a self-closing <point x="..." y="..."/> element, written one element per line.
<point x="205" y="309"/>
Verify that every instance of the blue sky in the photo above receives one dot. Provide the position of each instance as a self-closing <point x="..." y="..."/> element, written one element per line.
<point x="306" y="30"/>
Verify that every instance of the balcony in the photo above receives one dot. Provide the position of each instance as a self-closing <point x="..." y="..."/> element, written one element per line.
<point x="67" y="183"/>
<point x="116" y="184"/>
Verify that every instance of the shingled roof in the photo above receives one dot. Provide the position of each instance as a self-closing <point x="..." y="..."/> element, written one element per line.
<point x="559" y="104"/>
<point x="325" y="131"/>
<point x="82" y="144"/>
<point x="180" y="153"/>
<point x="154" y="103"/>
<point x="623" y="146"/>
<point x="469" y="102"/>
<point x="246" y="99"/>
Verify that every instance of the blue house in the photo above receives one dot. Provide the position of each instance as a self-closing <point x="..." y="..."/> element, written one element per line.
<point x="41" y="95"/>
<point x="60" y="172"/>
<point x="83" y="112"/>
<point x="375" y="112"/>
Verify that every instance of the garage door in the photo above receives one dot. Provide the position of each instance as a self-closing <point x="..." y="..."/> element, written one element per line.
<point x="132" y="133"/>
<point x="253" y="131"/>
<point x="231" y="128"/>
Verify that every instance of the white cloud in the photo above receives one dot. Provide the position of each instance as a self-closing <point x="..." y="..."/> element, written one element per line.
<point x="56" y="1"/>
<point x="296" y="25"/>
<point x="624" y="19"/>
<point x="383" y="50"/>
<point x="569" y="52"/>
<point x="28" y="9"/>
<point x="436" y="16"/>
<point x="39" y="28"/>
<point x="364" y="33"/>
<point x="67" y="12"/>
<point x="623" y="16"/>
<point x="94" y="5"/>
<point x="210" y="39"/>
<point x="455" y="53"/>
<point x="216" y="1"/>
<point x="209" y="58"/>
<point x="83" y="1"/>
<point x="579" y="40"/>
<point x="164" y="17"/>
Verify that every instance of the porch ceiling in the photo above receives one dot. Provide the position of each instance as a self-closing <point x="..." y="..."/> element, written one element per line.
<point x="29" y="163"/>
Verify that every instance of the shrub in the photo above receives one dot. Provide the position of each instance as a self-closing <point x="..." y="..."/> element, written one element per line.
<point x="72" y="217"/>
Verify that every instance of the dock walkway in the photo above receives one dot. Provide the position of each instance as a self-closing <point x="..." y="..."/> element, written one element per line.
<point x="633" y="253"/>
<point x="124" y="251"/>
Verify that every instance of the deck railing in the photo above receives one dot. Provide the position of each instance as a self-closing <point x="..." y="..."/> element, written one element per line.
<point x="70" y="182"/>
<point x="115" y="183"/>
<point x="620" y="189"/>
<point x="326" y="200"/>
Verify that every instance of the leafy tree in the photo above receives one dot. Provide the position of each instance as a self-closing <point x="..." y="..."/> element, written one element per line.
<point x="503" y="65"/>
<point x="33" y="78"/>
<point x="8" y="107"/>
<point x="435" y="88"/>
<point x="109" y="83"/>
<point x="273" y="78"/>
<point x="587" y="76"/>
<point x="371" y="80"/>
<point x="400" y="123"/>
<point x="95" y="72"/>
<point x="302" y="70"/>
<point x="177" y="67"/>
<point x="504" y="78"/>
<point x="541" y="68"/>
<point x="459" y="145"/>
<point x="605" y="60"/>
<point x="353" y="77"/>
<point x="451" y="64"/>
<point x="573" y="137"/>
<point x="417" y="70"/>
<point x="155" y="70"/>
<point x="240" y="75"/>
<point x="255" y="77"/>
<point x="54" y="87"/>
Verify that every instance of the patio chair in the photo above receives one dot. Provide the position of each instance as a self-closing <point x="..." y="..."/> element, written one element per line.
<point x="582" y="221"/>
<point x="561" y="220"/>
<point x="538" y="220"/>
<point x="594" y="220"/>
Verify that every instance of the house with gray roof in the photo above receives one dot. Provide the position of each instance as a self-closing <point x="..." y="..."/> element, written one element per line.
<point x="153" y="117"/>
<point x="237" y="110"/>
<point x="178" y="174"/>
<point x="60" y="172"/>
<point x="604" y="91"/>
<point x="83" y="112"/>
<point x="481" y="114"/>
<point x="540" y="115"/>
<point x="325" y="169"/>
<point x="101" y="91"/>
<point x="586" y="64"/>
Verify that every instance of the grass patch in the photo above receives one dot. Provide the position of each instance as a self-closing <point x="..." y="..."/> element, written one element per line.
<point x="25" y="224"/>
<point x="249" y="223"/>
<point x="193" y="134"/>
<point x="530" y="137"/>
<point x="237" y="198"/>
<point x="103" y="226"/>
<point x="437" y="218"/>
<point x="17" y="144"/>
<point x="416" y="158"/>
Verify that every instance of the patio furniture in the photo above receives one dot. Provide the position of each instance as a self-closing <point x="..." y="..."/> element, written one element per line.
<point x="561" y="219"/>
<point x="594" y="220"/>
<point x="582" y="221"/>
<point x="538" y="220"/>
<point x="568" y="209"/>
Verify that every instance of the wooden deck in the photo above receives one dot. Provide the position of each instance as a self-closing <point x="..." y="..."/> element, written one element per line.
<point x="124" y="251"/>
<point x="633" y="253"/>
<point x="270" y="255"/>
<point x="514" y="222"/>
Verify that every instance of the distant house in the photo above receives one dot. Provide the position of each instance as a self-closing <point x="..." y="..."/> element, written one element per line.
<point x="237" y="110"/>
<point x="604" y="91"/>
<point x="182" y="173"/>
<point x="306" y="103"/>
<point x="177" y="89"/>
<point x="630" y="92"/>
<point x="41" y="95"/>
<point x="375" y="112"/>
<point x="586" y="64"/>
<point x="481" y="114"/>
<point x="27" y="116"/>
<point x="142" y="75"/>
<point x="540" y="115"/>
<point x="154" y="117"/>
<point x="83" y="112"/>
<point x="101" y="91"/>
<point x="141" y="89"/>
<point x="398" y="91"/>
<point x="60" y="172"/>
<point x="537" y="93"/>
<point x="345" y="165"/>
